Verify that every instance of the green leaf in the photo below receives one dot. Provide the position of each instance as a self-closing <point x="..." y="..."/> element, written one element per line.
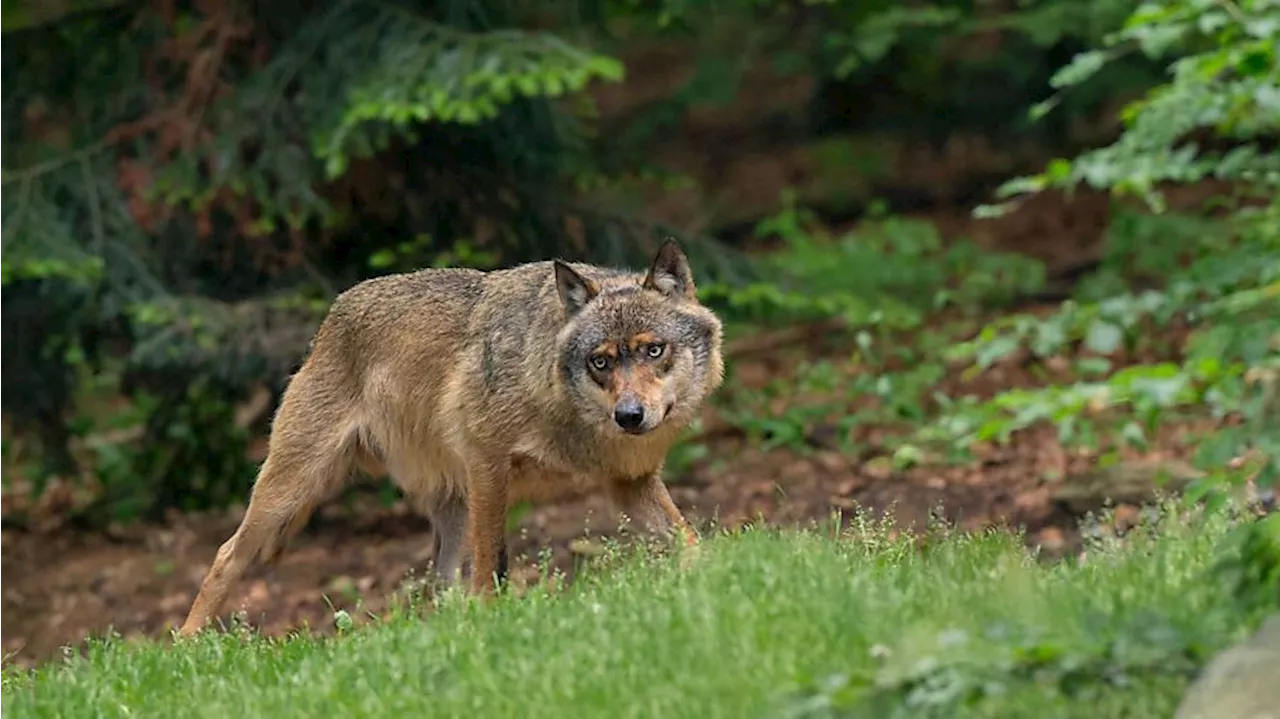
<point x="1134" y="435"/>
<point x="997" y="349"/>
<point x="1093" y="365"/>
<point x="1103" y="337"/>
<point x="1083" y="66"/>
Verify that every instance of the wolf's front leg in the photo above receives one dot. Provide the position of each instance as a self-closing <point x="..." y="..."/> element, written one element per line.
<point x="487" y="524"/>
<point x="647" y="503"/>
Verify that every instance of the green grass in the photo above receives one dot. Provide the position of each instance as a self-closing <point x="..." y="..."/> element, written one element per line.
<point x="764" y="623"/>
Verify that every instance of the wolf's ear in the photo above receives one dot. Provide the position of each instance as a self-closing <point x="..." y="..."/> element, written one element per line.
<point x="575" y="290"/>
<point x="670" y="273"/>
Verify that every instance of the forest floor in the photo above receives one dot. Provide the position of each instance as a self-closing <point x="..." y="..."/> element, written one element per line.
<point x="64" y="586"/>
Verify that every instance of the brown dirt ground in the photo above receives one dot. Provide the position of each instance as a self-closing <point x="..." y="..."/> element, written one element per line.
<point x="62" y="587"/>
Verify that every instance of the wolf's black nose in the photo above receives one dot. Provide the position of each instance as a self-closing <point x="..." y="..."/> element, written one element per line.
<point x="629" y="415"/>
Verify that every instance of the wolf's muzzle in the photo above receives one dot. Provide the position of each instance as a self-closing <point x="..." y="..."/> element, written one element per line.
<point x="629" y="414"/>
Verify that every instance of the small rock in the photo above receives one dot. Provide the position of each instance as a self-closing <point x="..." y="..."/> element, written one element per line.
<point x="1242" y="682"/>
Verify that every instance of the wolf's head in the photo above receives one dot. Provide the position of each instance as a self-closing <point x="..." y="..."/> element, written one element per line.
<point x="637" y="350"/>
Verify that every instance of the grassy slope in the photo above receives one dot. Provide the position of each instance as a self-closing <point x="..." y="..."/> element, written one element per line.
<point x="762" y="613"/>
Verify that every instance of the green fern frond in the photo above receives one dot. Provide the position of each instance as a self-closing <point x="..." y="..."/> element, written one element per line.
<point x="415" y="70"/>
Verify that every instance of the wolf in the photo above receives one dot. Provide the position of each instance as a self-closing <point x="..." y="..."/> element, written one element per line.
<point x="475" y="389"/>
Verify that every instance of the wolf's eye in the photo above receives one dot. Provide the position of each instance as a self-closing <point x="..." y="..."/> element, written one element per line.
<point x="655" y="350"/>
<point x="599" y="363"/>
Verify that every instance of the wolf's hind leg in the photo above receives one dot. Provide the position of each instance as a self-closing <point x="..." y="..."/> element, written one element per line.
<point x="444" y="503"/>
<point x="449" y="529"/>
<point x="310" y="457"/>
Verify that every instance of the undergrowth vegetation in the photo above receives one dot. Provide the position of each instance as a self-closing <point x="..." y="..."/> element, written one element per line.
<point x="1178" y="319"/>
<point x="1179" y="322"/>
<point x="188" y="184"/>
<point x="821" y="623"/>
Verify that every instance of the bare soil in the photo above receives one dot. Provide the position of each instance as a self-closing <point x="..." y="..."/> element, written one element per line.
<point x="60" y="588"/>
